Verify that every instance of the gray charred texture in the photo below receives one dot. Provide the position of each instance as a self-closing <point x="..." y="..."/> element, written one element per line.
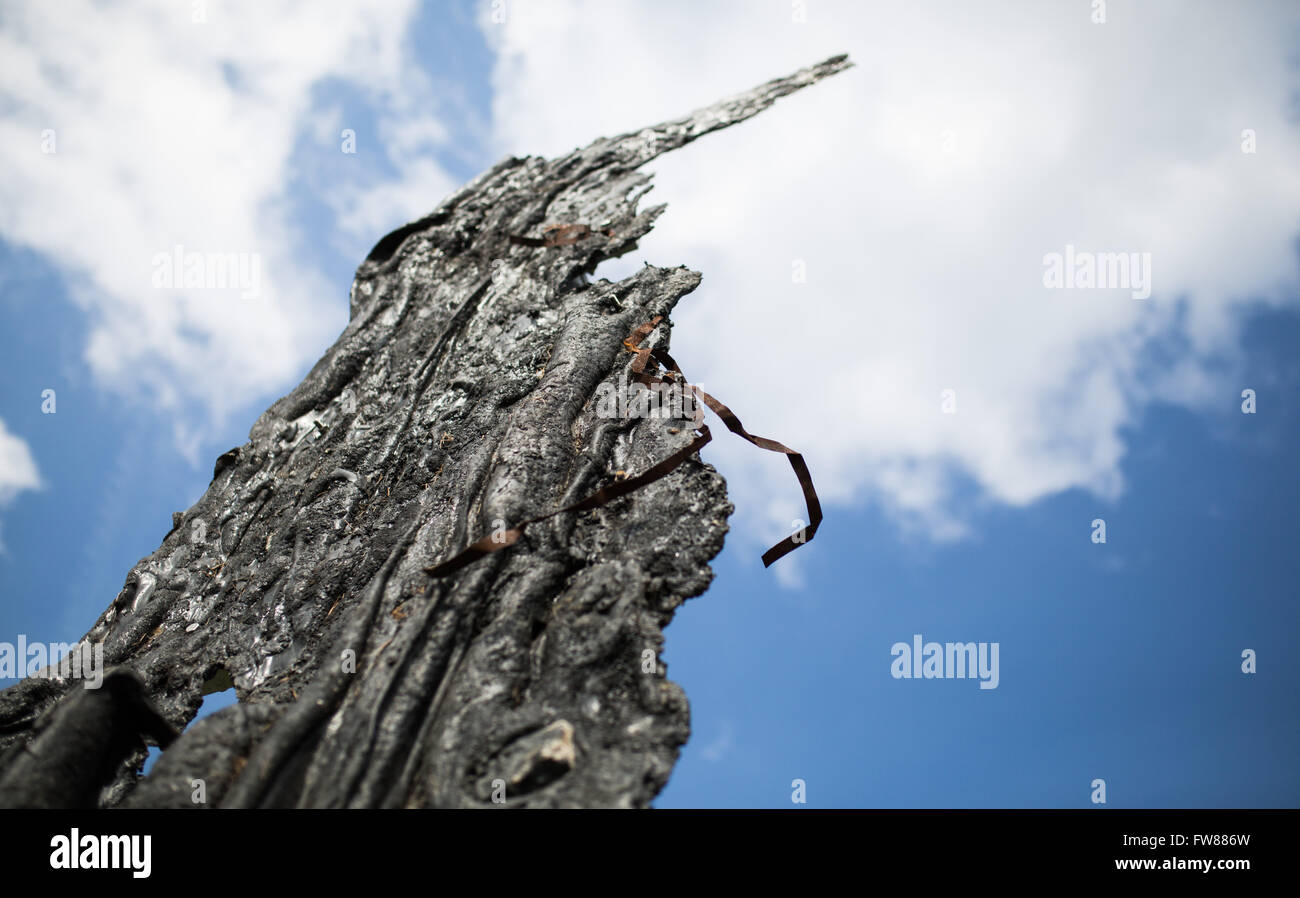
<point x="460" y="398"/>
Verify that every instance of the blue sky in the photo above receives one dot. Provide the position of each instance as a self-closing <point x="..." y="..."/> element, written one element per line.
<point x="1119" y="661"/>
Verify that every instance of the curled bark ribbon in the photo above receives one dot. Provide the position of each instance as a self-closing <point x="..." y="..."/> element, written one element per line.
<point x="729" y="418"/>
<point x="606" y="494"/>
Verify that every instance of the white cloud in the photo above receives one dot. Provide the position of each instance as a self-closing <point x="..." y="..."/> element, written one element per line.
<point x="924" y="263"/>
<point x="171" y="132"/>
<point x="17" y="468"/>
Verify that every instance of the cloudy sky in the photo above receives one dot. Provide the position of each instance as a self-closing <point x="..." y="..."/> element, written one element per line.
<point x="880" y="239"/>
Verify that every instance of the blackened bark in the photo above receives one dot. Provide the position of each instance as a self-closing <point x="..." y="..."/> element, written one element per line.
<point x="460" y="399"/>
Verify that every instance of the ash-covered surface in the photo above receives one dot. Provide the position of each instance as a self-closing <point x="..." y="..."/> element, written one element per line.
<point x="461" y="398"/>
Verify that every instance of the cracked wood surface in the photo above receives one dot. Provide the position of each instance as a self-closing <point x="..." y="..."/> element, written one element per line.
<point x="459" y="399"/>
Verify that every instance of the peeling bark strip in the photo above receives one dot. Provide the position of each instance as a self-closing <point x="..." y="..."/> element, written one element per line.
<point x="460" y="396"/>
<point x="606" y="494"/>
<point x="804" y="534"/>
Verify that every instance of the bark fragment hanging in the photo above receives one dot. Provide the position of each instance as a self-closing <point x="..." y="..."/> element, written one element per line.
<point x="504" y="539"/>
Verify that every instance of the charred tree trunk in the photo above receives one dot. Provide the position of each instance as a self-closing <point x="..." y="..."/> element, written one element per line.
<point x="458" y="401"/>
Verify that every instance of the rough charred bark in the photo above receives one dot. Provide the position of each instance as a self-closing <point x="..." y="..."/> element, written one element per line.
<point x="459" y="399"/>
